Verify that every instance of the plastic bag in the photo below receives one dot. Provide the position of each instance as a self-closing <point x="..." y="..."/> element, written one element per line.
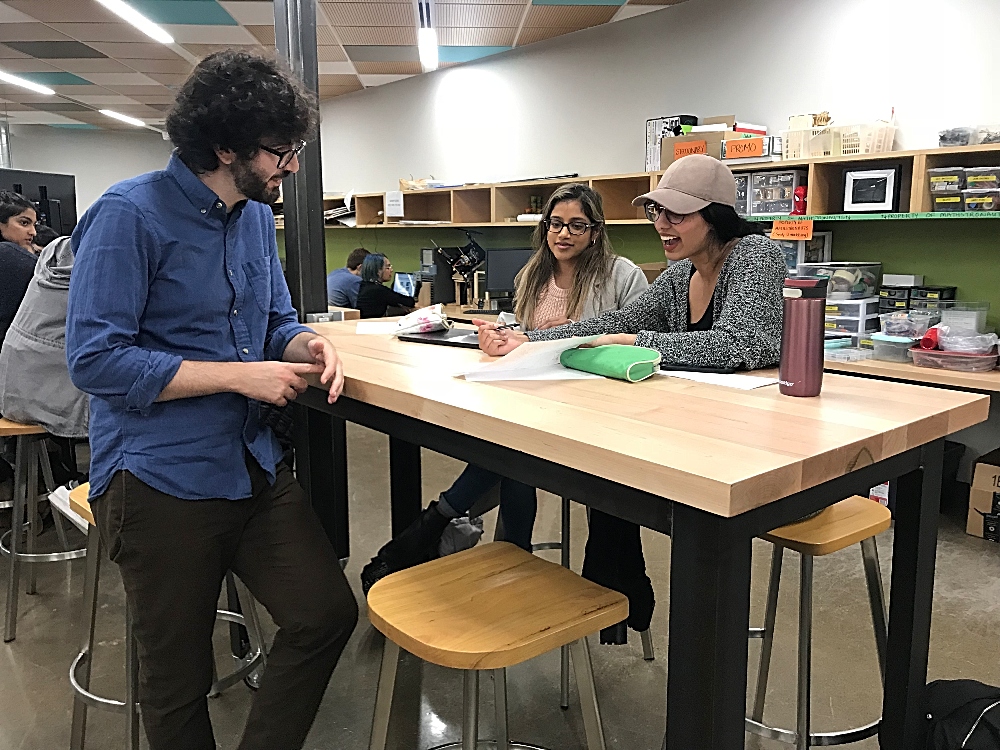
<point x="964" y="340"/>
<point x="424" y="320"/>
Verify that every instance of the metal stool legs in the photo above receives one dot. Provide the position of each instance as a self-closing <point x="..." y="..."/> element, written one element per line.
<point x="250" y="618"/>
<point x="803" y="738"/>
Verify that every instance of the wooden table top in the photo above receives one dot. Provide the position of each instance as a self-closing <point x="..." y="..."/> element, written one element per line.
<point x="720" y="449"/>
<point x="977" y="381"/>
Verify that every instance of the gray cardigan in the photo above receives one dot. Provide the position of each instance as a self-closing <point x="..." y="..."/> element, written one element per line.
<point x="747" y="309"/>
<point x="626" y="283"/>
<point x="34" y="379"/>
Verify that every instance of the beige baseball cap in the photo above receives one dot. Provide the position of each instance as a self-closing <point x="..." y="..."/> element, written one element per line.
<point x="691" y="183"/>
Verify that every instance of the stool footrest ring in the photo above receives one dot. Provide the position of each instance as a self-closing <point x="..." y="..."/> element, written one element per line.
<point x="489" y="745"/>
<point x="40" y="557"/>
<point x="819" y="739"/>
<point x="248" y="665"/>
<point x="94" y="701"/>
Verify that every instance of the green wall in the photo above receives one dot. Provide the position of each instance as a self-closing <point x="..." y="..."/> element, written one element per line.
<point x="962" y="253"/>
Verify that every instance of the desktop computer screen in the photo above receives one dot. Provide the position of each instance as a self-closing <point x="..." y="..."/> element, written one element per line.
<point x="502" y="265"/>
<point x="405" y="283"/>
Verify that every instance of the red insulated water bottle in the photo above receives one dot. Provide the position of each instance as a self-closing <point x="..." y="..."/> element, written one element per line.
<point x="801" y="369"/>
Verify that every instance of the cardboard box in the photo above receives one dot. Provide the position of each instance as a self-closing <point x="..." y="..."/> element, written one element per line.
<point x="652" y="270"/>
<point x="984" y="499"/>
<point x="712" y="141"/>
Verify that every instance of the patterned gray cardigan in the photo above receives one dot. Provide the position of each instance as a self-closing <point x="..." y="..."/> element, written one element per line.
<point x="747" y="310"/>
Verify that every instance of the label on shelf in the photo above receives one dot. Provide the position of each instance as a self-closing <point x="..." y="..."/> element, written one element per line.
<point x="690" y="147"/>
<point x="792" y="229"/>
<point x="739" y="148"/>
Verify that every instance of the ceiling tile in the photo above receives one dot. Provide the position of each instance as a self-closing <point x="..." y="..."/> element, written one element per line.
<point x="169" y="79"/>
<point x="248" y="13"/>
<point x="56" y="78"/>
<point x="481" y="16"/>
<point x="92" y="65"/>
<point x="328" y="91"/>
<point x="121" y="79"/>
<point x="154" y="99"/>
<point x="6" y="53"/>
<point x="518" y="3"/>
<point x="134" y="50"/>
<point x="335" y="67"/>
<point x="485" y="37"/>
<point x="378" y="35"/>
<point x="30" y="32"/>
<point x="330" y="53"/>
<point x="387" y="68"/>
<point x="378" y="53"/>
<point x="181" y="67"/>
<point x="100" y="32"/>
<point x="74" y="125"/>
<point x="193" y="12"/>
<point x="55" y="11"/>
<point x="107" y="99"/>
<point x="37" y="117"/>
<point x="345" y="79"/>
<point x="12" y="15"/>
<point x="371" y="14"/>
<point x="369" y="81"/>
<point x="263" y="34"/>
<point x="204" y="50"/>
<point x="12" y="107"/>
<point x="75" y="92"/>
<point x="325" y="35"/>
<point x="637" y="9"/>
<point x="60" y="105"/>
<point x="55" y="50"/>
<point x="184" y="34"/>
<point x="138" y="90"/>
<point x="537" y="34"/>
<point x="568" y="16"/>
<point x="655" y="2"/>
<point x="26" y="65"/>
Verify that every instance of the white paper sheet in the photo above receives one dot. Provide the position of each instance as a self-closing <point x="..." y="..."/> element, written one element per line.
<point x="535" y="360"/>
<point x="741" y="382"/>
<point x="375" y="326"/>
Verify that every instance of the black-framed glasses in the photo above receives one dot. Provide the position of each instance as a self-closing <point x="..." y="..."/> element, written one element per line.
<point x="285" y="157"/>
<point x="653" y="211"/>
<point x="576" y="228"/>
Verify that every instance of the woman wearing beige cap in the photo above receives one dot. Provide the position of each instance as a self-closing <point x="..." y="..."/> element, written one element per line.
<point x="718" y="305"/>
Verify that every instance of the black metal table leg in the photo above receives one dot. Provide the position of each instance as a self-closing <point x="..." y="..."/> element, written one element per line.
<point x="321" y="468"/>
<point x="405" y="483"/>
<point x="913" y="556"/>
<point x="709" y="617"/>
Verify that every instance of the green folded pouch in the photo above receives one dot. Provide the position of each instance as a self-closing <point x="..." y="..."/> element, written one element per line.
<point x="631" y="363"/>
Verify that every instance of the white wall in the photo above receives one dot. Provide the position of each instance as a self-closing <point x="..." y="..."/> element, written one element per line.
<point x="579" y="103"/>
<point x="97" y="158"/>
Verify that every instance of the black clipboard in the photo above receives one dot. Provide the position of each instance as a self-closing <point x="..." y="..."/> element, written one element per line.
<point x="689" y="368"/>
<point x="465" y="338"/>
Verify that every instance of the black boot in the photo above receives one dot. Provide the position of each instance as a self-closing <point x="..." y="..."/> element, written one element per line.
<point x="417" y="544"/>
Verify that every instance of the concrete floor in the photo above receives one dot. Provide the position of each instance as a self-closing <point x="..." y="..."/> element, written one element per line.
<point x="36" y="699"/>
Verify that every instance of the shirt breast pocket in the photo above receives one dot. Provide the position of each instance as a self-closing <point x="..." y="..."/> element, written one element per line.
<point x="258" y="274"/>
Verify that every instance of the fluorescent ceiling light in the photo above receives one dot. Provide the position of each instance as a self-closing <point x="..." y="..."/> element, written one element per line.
<point x="37" y="88"/>
<point x="134" y="17"/>
<point x="124" y="118"/>
<point x="427" y="46"/>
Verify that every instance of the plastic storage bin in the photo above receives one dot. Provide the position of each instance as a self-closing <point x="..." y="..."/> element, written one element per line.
<point x="981" y="200"/>
<point x="953" y="360"/>
<point x="852" y="308"/>
<point x="946" y="179"/>
<point x="894" y="292"/>
<point x="966" y="315"/>
<point x="838" y="140"/>
<point x="947" y="202"/>
<point x="982" y="178"/>
<point x="892" y="348"/>
<point x="772" y="193"/>
<point x="932" y="304"/>
<point x="847" y="280"/>
<point x="934" y="292"/>
<point x="907" y="325"/>
<point x="852" y="325"/>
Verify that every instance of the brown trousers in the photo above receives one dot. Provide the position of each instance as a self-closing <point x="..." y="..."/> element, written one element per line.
<point x="173" y="555"/>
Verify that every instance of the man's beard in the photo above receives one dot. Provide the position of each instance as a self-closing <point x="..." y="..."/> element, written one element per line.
<point x="252" y="185"/>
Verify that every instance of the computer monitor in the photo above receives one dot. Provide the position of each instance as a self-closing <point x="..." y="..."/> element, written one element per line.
<point x="502" y="265"/>
<point x="405" y="283"/>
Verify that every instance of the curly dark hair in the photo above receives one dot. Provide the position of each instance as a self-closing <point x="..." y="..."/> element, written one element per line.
<point x="231" y="101"/>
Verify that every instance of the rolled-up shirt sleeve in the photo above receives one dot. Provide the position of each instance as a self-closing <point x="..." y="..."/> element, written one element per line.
<point x="282" y="319"/>
<point x="116" y="258"/>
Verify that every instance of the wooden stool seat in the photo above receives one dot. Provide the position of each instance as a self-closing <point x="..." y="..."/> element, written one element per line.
<point x="489" y="607"/>
<point x="79" y="502"/>
<point x="13" y="429"/>
<point x="845" y="523"/>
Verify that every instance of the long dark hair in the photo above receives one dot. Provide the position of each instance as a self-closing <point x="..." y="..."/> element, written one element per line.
<point x="593" y="269"/>
<point x="12" y="204"/>
<point x="726" y="224"/>
<point x="371" y="268"/>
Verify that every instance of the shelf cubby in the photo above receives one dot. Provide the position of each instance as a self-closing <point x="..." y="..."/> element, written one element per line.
<point x="369" y="209"/>
<point x="618" y="192"/>
<point x="512" y="199"/>
<point x="425" y="205"/>
<point x="976" y="156"/>
<point x="471" y="205"/>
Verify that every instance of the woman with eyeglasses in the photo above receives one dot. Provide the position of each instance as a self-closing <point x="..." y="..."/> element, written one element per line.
<point x="572" y="275"/>
<point x="17" y="253"/>
<point x="374" y="298"/>
<point x="718" y="306"/>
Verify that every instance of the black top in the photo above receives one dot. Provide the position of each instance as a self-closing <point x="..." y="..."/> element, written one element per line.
<point x="705" y="324"/>
<point x="373" y="299"/>
<point x="17" y="266"/>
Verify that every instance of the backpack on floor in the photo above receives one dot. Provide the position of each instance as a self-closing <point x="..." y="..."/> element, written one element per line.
<point x="962" y="715"/>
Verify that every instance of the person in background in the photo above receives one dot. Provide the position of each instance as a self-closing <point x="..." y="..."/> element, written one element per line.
<point x="179" y="326"/>
<point x="718" y="305"/>
<point x="573" y="273"/>
<point x="375" y="299"/>
<point x="17" y="253"/>
<point x="342" y="284"/>
<point x="43" y="236"/>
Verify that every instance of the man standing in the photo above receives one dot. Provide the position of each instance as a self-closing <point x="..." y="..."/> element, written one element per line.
<point x="179" y="326"/>
<point x="342" y="284"/>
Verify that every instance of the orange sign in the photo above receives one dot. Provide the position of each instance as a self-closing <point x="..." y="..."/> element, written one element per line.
<point x="740" y="148"/>
<point x="687" y="148"/>
<point x="792" y="229"/>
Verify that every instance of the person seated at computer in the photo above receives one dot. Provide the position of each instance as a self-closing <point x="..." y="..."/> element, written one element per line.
<point x="573" y="274"/>
<point x="376" y="300"/>
<point x="718" y="305"/>
<point x="343" y="284"/>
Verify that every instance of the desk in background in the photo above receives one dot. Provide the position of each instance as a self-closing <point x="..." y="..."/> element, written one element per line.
<point x="988" y="382"/>
<point x="735" y="464"/>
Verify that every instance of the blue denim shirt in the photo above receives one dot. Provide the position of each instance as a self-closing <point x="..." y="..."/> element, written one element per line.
<point x="163" y="274"/>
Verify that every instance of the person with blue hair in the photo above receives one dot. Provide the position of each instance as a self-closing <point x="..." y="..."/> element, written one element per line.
<point x="375" y="299"/>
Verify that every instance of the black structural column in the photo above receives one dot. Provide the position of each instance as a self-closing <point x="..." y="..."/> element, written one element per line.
<point x="321" y="442"/>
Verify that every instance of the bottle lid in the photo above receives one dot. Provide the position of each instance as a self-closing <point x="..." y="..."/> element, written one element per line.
<point x="805" y="286"/>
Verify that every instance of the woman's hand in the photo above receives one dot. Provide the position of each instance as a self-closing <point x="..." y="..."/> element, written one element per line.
<point x="628" y="339"/>
<point x="554" y="323"/>
<point x="497" y="342"/>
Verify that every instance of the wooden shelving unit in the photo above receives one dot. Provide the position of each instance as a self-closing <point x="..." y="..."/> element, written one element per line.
<point x="498" y="204"/>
